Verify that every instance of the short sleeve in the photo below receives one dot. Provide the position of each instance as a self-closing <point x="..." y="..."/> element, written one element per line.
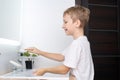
<point x="72" y="55"/>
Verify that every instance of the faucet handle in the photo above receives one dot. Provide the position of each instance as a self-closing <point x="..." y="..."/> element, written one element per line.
<point x="20" y="60"/>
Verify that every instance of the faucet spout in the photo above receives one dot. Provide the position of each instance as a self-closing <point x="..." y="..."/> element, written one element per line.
<point x="15" y="63"/>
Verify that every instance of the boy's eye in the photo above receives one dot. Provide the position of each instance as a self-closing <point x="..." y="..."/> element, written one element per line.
<point x="65" y="22"/>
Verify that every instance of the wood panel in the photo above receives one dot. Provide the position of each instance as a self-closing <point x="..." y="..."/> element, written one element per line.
<point x="103" y="2"/>
<point x="104" y="43"/>
<point x="103" y="18"/>
<point x="106" y="68"/>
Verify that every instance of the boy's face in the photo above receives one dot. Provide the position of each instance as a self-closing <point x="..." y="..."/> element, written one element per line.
<point x="68" y="25"/>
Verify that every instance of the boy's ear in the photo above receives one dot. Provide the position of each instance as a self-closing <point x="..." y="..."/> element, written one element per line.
<point x="77" y="23"/>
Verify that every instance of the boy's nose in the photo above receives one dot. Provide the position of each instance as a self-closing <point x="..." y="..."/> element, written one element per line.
<point x="63" y="26"/>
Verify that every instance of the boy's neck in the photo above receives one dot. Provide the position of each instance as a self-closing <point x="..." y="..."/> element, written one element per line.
<point x="78" y="33"/>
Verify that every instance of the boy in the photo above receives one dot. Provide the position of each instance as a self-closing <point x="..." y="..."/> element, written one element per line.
<point x="77" y="57"/>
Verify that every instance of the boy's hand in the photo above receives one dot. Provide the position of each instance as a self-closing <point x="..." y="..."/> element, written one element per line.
<point x="33" y="50"/>
<point x="39" y="72"/>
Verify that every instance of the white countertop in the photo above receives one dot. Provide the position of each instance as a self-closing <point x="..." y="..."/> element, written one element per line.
<point x="28" y="75"/>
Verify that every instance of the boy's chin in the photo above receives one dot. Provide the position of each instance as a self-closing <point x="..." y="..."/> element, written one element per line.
<point x="68" y="34"/>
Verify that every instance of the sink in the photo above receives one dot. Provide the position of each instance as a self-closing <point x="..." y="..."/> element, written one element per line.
<point x="28" y="75"/>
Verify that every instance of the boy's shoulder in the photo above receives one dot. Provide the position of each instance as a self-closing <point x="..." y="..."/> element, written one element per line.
<point x="80" y="40"/>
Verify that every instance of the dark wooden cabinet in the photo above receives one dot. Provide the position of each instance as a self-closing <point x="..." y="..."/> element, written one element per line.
<point x="106" y="68"/>
<point x="103" y="32"/>
<point x="104" y="43"/>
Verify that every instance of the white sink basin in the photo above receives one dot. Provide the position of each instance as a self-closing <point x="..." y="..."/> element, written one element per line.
<point x="25" y="73"/>
<point x="28" y="75"/>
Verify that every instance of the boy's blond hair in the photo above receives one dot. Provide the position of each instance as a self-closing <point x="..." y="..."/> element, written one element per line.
<point x="78" y="13"/>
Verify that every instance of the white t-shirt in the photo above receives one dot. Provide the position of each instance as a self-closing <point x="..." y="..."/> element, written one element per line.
<point x="78" y="58"/>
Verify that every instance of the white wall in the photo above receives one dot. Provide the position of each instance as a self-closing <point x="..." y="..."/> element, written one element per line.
<point x="10" y="19"/>
<point x="42" y="27"/>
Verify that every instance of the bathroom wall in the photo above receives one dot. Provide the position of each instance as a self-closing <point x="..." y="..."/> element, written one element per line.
<point x="10" y="11"/>
<point x="8" y="51"/>
<point x="42" y="27"/>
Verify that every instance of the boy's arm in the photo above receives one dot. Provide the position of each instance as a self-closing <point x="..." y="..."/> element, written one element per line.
<point x="56" y="70"/>
<point x="54" y="56"/>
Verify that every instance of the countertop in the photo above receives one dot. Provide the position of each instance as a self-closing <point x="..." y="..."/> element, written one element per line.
<point x="28" y="75"/>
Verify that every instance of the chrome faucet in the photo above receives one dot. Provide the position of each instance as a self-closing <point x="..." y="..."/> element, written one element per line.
<point x="16" y="66"/>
